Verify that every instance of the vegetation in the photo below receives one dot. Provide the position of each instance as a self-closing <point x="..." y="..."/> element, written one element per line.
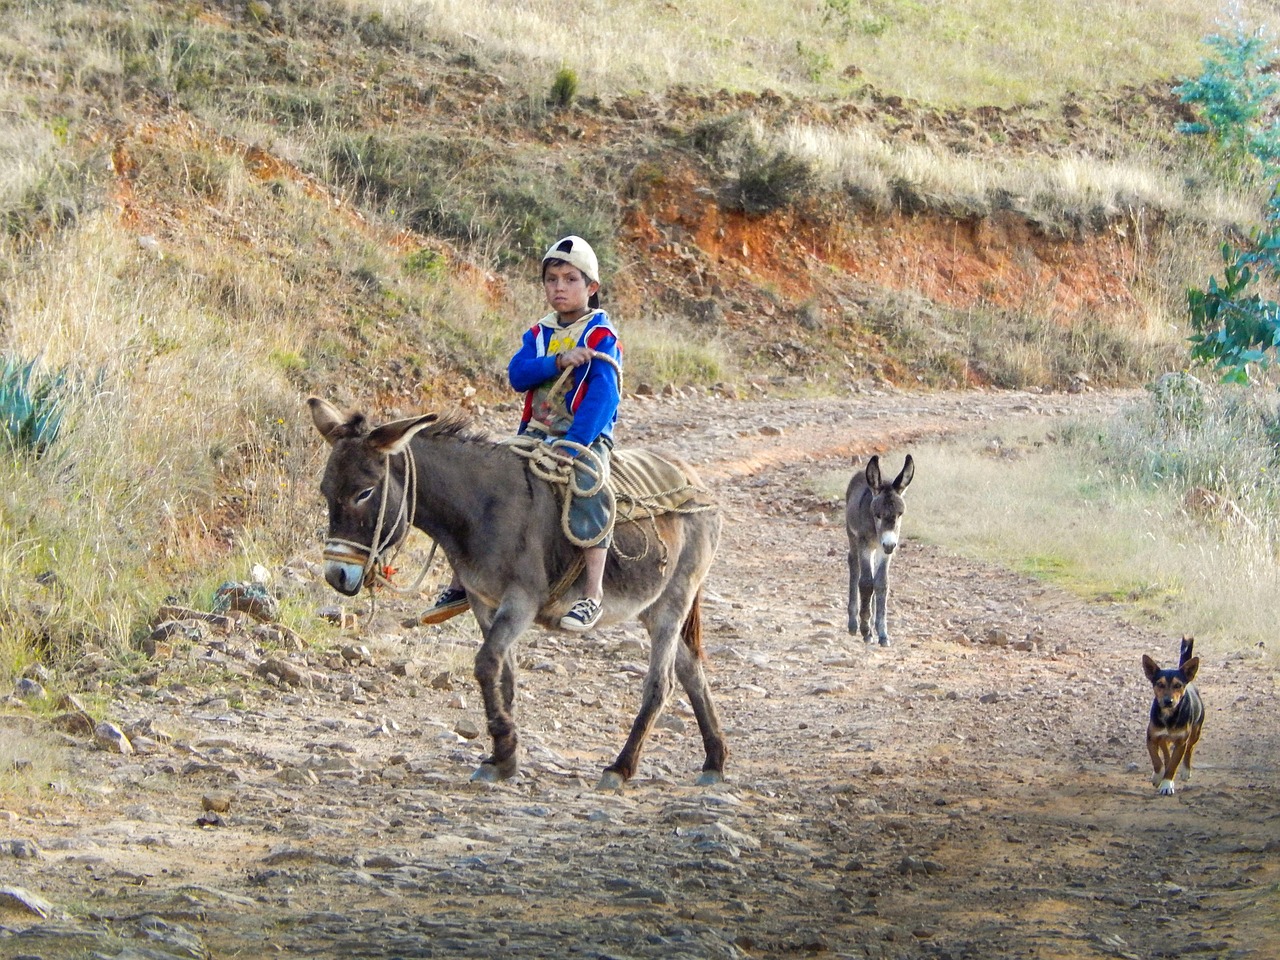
<point x="207" y="213"/>
<point x="1170" y="511"/>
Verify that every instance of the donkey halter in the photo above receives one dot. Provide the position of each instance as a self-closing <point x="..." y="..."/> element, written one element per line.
<point x="373" y="552"/>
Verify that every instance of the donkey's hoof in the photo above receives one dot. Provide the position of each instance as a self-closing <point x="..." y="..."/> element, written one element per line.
<point x="884" y="641"/>
<point x="709" y="778"/>
<point x="489" y="772"/>
<point x="610" y="780"/>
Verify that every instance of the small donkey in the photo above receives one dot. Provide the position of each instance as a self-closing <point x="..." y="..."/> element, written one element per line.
<point x="873" y="518"/>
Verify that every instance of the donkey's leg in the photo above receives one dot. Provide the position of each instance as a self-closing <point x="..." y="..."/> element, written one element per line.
<point x="882" y="601"/>
<point x="694" y="680"/>
<point x="495" y="671"/>
<point x="663" y="630"/>
<point x="853" y="589"/>
<point x="866" y="590"/>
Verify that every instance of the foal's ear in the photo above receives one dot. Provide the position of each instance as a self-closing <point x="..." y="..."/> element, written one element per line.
<point x="904" y="478"/>
<point x="394" y="437"/>
<point x="873" y="472"/>
<point x="327" y="418"/>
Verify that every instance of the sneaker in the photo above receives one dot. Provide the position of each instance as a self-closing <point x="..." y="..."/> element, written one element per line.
<point x="451" y="602"/>
<point x="583" y="615"/>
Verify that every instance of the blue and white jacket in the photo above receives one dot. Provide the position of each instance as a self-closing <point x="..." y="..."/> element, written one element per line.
<point x="591" y="393"/>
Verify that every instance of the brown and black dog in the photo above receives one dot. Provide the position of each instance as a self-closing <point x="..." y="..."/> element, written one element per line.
<point x="1177" y="714"/>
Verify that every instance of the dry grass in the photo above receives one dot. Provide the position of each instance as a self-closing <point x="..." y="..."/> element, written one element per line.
<point x="31" y="759"/>
<point x="969" y="52"/>
<point x="186" y="458"/>
<point x="1048" y="190"/>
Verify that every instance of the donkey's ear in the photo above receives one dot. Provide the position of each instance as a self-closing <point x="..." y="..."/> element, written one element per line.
<point x="904" y="478"/>
<point x="873" y="473"/>
<point x="327" y="418"/>
<point x="394" y="437"/>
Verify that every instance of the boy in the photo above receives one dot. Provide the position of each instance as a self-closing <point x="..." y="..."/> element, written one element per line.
<point x="582" y="409"/>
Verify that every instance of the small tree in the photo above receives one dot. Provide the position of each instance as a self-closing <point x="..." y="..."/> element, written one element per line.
<point x="1235" y="94"/>
<point x="1236" y="327"/>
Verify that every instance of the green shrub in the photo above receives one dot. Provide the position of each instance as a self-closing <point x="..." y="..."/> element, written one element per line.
<point x="769" y="180"/>
<point x="1235" y="326"/>
<point x="564" y="88"/>
<point x="31" y="405"/>
<point x="1236" y="94"/>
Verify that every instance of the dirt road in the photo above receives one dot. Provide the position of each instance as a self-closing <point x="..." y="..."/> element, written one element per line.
<point x="978" y="790"/>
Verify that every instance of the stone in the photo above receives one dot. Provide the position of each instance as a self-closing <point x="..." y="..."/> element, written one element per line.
<point x="111" y="738"/>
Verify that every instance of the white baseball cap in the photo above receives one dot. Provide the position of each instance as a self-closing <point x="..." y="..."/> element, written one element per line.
<point x="577" y="253"/>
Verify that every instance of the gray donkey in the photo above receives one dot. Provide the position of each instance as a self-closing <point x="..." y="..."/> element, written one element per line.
<point x="873" y="520"/>
<point x="500" y="528"/>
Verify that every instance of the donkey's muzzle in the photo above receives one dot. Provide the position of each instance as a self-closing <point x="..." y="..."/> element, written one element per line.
<point x="344" y="568"/>
<point x="346" y="578"/>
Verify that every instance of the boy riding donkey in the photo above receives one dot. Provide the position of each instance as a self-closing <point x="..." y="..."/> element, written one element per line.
<point x="569" y="369"/>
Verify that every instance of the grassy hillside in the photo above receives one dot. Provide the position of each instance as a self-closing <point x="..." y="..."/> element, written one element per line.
<point x="212" y="209"/>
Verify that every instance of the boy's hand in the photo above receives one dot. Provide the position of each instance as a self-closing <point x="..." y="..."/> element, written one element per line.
<point x="574" y="358"/>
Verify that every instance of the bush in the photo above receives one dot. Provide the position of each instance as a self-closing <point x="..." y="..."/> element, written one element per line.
<point x="1235" y="327"/>
<point x="1236" y="93"/>
<point x="30" y="405"/>
<point x="564" y="88"/>
<point x="770" y="180"/>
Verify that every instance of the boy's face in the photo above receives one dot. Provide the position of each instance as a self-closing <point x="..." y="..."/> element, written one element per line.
<point x="568" y="291"/>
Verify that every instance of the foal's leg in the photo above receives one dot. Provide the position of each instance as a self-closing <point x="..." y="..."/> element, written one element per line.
<point x="495" y="671"/>
<point x="854" y="562"/>
<point x="866" y="590"/>
<point x="882" y="601"/>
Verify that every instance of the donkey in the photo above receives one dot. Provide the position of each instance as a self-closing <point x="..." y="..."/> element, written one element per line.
<point x="873" y="519"/>
<point x="500" y="528"/>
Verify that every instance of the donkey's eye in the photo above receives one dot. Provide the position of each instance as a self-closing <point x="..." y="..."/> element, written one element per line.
<point x="364" y="495"/>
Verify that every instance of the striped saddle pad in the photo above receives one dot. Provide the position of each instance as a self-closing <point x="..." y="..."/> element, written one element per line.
<point x="645" y="485"/>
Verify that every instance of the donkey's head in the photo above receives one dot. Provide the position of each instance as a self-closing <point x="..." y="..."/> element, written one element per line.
<point x="887" y="505"/>
<point x="369" y="508"/>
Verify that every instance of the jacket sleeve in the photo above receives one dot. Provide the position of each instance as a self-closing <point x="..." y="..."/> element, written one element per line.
<point x="526" y="369"/>
<point x="599" y="389"/>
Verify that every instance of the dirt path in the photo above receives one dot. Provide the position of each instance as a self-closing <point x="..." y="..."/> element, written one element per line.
<point x="978" y="790"/>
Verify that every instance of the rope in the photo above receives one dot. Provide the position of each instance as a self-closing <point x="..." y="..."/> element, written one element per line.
<point x="372" y="573"/>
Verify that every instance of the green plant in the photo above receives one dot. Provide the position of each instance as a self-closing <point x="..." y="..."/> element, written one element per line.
<point x="769" y="180"/>
<point x="1236" y="93"/>
<point x="1236" y="327"/>
<point x="564" y="88"/>
<point x="30" y="405"/>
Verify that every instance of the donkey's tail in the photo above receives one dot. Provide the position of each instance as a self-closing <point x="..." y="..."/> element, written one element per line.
<point x="691" y="631"/>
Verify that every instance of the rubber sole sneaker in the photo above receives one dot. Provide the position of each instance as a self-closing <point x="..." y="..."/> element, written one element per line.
<point x="583" y="615"/>
<point x="449" y="604"/>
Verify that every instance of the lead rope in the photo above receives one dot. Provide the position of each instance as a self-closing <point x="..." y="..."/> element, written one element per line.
<point x="371" y="575"/>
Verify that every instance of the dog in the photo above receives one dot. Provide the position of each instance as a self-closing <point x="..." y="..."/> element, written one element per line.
<point x="1177" y="714"/>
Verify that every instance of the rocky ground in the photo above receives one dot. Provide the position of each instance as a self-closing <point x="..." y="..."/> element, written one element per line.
<point x="977" y="790"/>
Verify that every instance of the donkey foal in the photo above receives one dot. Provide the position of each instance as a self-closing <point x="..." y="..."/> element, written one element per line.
<point x="873" y="520"/>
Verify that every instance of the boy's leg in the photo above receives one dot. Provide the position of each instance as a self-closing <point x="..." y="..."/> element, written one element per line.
<point x="451" y="602"/>
<point x="595" y="558"/>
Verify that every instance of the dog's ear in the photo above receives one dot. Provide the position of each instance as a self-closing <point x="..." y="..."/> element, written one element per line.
<point x="1189" y="669"/>
<point x="1150" y="668"/>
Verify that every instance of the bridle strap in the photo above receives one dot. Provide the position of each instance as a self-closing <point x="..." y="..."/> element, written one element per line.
<point x="371" y="573"/>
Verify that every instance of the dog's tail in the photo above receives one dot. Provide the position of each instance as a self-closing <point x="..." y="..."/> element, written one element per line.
<point x="1185" y="655"/>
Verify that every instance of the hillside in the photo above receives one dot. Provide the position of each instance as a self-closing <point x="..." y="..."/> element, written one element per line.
<point x="226" y="127"/>
<point x="213" y="210"/>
